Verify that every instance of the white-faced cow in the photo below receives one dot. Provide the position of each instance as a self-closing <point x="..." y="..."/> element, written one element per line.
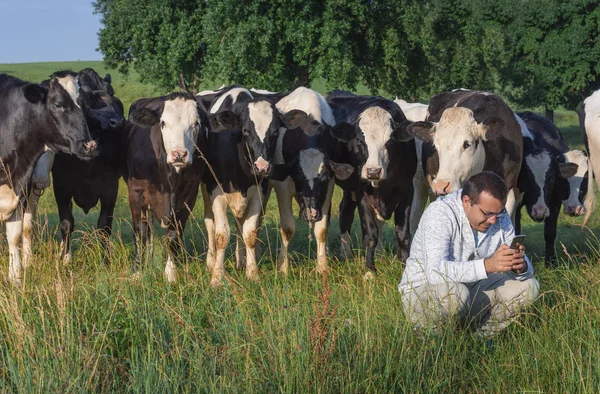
<point x="589" y="113"/>
<point x="467" y="132"/>
<point x="552" y="174"/>
<point x="87" y="182"/>
<point x="241" y="148"/>
<point x="32" y="119"/>
<point x="166" y="140"/>
<point x="307" y="164"/>
<point x="383" y="155"/>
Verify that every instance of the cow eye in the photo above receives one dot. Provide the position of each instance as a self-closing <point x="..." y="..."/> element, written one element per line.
<point x="467" y="145"/>
<point x="162" y="124"/>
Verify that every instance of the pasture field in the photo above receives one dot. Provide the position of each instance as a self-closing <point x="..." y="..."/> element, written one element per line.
<point x="91" y="327"/>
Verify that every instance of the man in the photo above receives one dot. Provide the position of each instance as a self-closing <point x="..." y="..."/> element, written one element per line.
<point x="460" y="264"/>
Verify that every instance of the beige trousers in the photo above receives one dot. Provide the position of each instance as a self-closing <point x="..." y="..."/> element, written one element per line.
<point x="487" y="306"/>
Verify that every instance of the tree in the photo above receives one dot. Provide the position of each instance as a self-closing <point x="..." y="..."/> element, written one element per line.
<point x="162" y="40"/>
<point x="555" y="53"/>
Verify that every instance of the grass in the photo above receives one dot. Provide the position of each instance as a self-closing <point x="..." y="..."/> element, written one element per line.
<point x="90" y="327"/>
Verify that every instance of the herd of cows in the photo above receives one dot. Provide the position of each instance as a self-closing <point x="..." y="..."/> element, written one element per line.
<point x="236" y="145"/>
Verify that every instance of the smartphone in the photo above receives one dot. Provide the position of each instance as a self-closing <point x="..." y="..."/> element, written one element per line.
<point x="517" y="239"/>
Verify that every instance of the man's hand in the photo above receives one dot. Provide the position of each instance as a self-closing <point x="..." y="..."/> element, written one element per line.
<point x="506" y="259"/>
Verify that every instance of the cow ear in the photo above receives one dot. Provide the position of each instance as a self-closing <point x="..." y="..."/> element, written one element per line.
<point x="280" y="172"/>
<point x="224" y="120"/>
<point x="422" y="130"/>
<point x="342" y="171"/>
<point x="343" y="131"/>
<point x="567" y="170"/>
<point x="400" y="134"/>
<point x="144" y="117"/>
<point x="108" y="78"/>
<point x="294" y="118"/>
<point x="491" y="128"/>
<point x="34" y="93"/>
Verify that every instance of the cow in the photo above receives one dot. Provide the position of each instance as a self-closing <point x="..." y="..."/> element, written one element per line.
<point x="552" y="174"/>
<point x="166" y="141"/>
<point x="240" y="149"/>
<point x="375" y="140"/>
<point x="307" y="164"/>
<point x="467" y="132"/>
<point x="34" y="118"/>
<point x="87" y="182"/>
<point x="589" y="111"/>
<point x="417" y="112"/>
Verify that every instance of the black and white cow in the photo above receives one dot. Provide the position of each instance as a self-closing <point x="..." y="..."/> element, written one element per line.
<point x="34" y="118"/>
<point x="589" y="112"/>
<point x="241" y="148"/>
<point x="307" y="164"/>
<point x="550" y="173"/>
<point x="467" y="132"/>
<point x="87" y="182"/>
<point x="384" y="158"/>
<point x="166" y="141"/>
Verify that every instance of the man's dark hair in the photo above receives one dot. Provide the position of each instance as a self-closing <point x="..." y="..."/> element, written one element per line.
<point x="488" y="182"/>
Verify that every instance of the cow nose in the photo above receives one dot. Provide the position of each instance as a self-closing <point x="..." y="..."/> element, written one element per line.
<point x="90" y="146"/>
<point x="179" y="155"/>
<point x="577" y="210"/>
<point x="116" y="123"/>
<point x="312" y="215"/>
<point x="539" y="213"/>
<point x="373" y="173"/>
<point x="441" y="187"/>
<point x="262" y="166"/>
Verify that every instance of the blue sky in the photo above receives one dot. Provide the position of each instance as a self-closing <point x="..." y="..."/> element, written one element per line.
<point x="48" y="30"/>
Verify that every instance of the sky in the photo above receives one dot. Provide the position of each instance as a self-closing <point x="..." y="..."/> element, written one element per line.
<point x="48" y="31"/>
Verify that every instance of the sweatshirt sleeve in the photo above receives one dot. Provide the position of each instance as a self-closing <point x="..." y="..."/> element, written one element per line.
<point x="438" y="236"/>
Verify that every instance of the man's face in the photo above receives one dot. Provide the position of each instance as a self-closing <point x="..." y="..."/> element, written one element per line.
<point x="485" y="212"/>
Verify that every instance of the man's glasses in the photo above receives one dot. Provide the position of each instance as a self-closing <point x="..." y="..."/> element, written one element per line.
<point x="489" y="215"/>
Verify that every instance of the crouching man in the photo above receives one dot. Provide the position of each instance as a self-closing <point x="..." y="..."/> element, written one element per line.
<point x="460" y="264"/>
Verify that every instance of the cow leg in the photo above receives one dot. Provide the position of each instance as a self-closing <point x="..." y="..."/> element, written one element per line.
<point x="14" y="230"/>
<point x="517" y="220"/>
<point x="511" y="202"/>
<point x="209" y="222"/>
<point x="550" y="234"/>
<point x="105" y="219"/>
<point x="285" y="192"/>
<point x="347" y="208"/>
<point x="30" y="212"/>
<point x="67" y="223"/>
<point x="175" y="243"/>
<point x="141" y="230"/>
<point x="321" y="229"/>
<point x="370" y="230"/>
<point x="222" y="234"/>
<point x="250" y="229"/>
<point x="402" y="216"/>
<point x="420" y="196"/>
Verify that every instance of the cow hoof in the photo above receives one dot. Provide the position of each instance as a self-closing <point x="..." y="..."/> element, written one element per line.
<point x="66" y="258"/>
<point x="171" y="275"/>
<point x="136" y="276"/>
<point x="369" y="275"/>
<point x="252" y="275"/>
<point x="216" y="282"/>
<point x="16" y="280"/>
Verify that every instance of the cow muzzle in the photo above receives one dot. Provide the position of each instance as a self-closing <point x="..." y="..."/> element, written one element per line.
<point x="116" y="123"/>
<point x="262" y="167"/>
<point x="311" y="215"/>
<point x="374" y="174"/>
<point x="574" y="210"/>
<point x="539" y="213"/>
<point x="179" y="157"/>
<point x="441" y="187"/>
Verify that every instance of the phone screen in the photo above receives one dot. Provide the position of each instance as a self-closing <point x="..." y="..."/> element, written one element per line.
<point x="517" y="239"/>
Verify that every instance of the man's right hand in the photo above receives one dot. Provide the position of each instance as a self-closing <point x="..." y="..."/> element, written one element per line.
<point x="503" y="260"/>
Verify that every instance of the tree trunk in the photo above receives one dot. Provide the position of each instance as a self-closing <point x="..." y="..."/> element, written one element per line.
<point x="550" y="114"/>
<point x="302" y="78"/>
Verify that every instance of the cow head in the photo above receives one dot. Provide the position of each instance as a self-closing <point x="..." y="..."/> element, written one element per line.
<point x="103" y="110"/>
<point x="371" y="138"/>
<point x="179" y="122"/>
<point x="260" y="124"/>
<point x="59" y="96"/>
<point x="574" y="203"/>
<point x="458" y="139"/>
<point x="311" y="168"/>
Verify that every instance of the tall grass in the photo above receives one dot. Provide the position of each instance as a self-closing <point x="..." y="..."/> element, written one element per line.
<point x="91" y="327"/>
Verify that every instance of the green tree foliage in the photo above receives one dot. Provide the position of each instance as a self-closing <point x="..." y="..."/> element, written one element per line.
<point x="555" y="52"/>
